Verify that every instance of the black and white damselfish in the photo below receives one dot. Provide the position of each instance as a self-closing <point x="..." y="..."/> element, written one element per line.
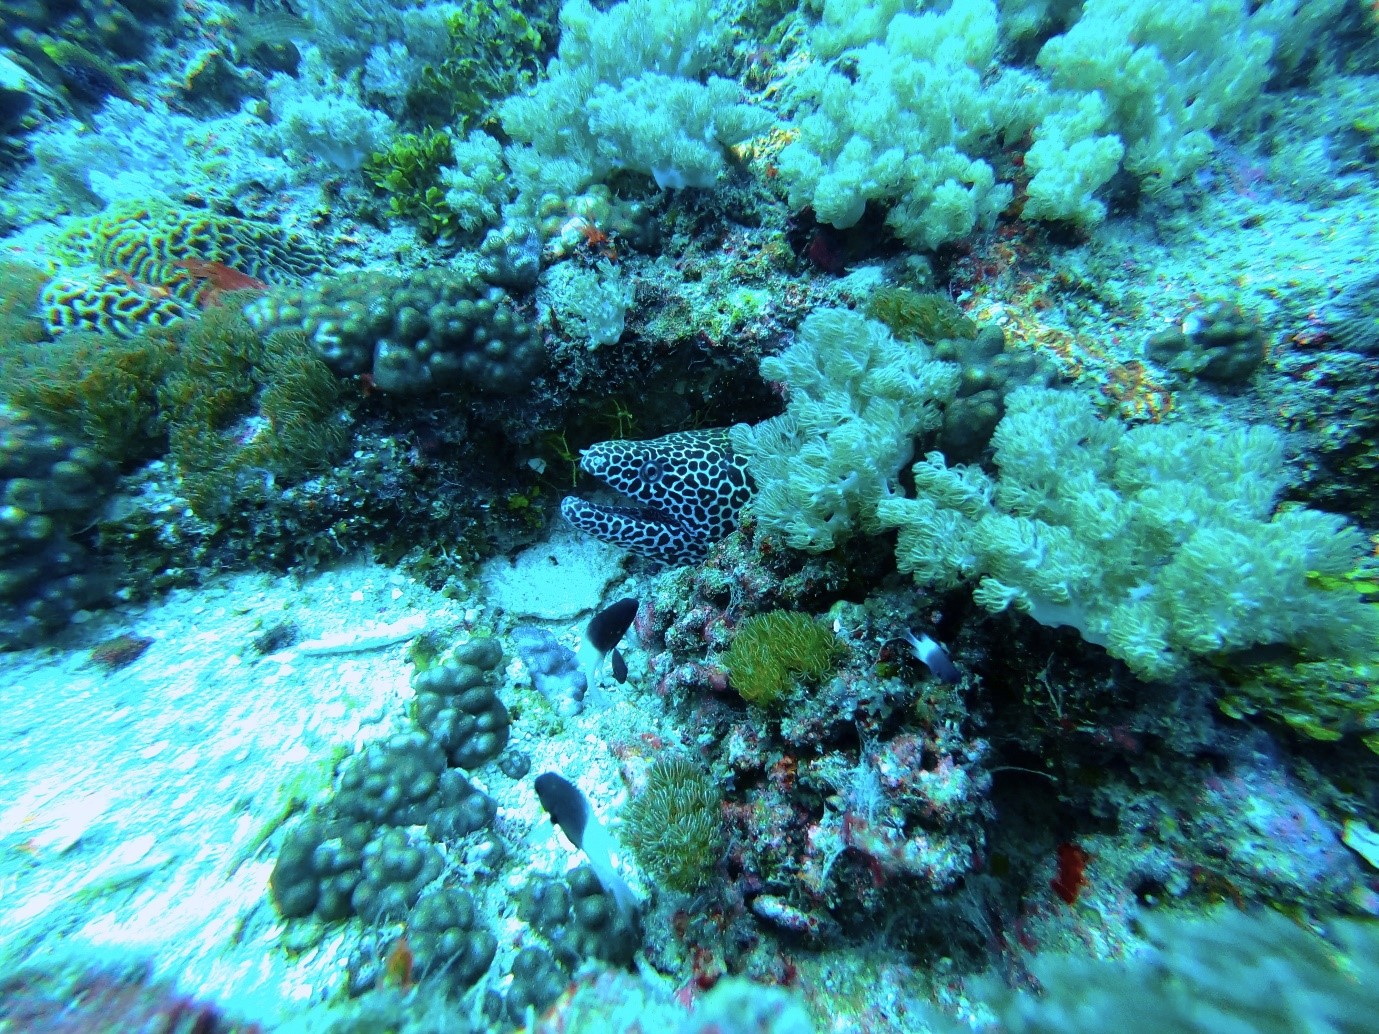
<point x="601" y="638"/>
<point x="932" y="656"/>
<point x="568" y="808"/>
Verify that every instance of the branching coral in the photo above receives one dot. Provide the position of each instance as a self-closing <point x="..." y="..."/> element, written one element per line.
<point x="1160" y="542"/>
<point x="858" y="398"/>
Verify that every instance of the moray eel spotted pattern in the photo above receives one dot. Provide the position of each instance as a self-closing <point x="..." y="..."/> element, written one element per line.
<point x="690" y="487"/>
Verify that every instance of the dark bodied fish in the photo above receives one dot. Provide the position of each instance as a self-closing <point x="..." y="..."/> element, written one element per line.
<point x="933" y="657"/>
<point x="570" y="810"/>
<point x="605" y="631"/>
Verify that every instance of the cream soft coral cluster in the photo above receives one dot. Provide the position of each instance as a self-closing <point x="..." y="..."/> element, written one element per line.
<point x="912" y="108"/>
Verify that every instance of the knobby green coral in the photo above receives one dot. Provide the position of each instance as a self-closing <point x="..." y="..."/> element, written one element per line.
<point x="770" y="650"/>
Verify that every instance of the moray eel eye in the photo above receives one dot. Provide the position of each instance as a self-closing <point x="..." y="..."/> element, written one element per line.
<point x="651" y="471"/>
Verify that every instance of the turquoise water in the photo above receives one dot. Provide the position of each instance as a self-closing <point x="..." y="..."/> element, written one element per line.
<point x="908" y="469"/>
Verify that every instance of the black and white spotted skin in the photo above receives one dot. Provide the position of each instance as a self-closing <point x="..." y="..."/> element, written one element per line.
<point x="689" y="487"/>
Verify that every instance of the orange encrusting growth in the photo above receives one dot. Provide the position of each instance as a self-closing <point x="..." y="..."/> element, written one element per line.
<point x="219" y="278"/>
<point x="397" y="967"/>
<point x="1072" y="872"/>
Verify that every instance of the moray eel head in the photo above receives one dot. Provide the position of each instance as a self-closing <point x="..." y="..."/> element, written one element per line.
<point x="686" y="489"/>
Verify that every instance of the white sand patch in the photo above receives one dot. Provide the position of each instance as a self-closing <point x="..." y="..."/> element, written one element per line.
<point x="556" y="580"/>
<point x="137" y="802"/>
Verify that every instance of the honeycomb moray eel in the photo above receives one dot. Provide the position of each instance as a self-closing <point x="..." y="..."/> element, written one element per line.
<point x="688" y="486"/>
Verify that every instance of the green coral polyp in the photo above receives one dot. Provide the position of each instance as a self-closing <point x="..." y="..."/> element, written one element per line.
<point x="770" y="651"/>
<point x="432" y="331"/>
<point x="100" y="387"/>
<point x="675" y="827"/>
<point x="926" y="317"/>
